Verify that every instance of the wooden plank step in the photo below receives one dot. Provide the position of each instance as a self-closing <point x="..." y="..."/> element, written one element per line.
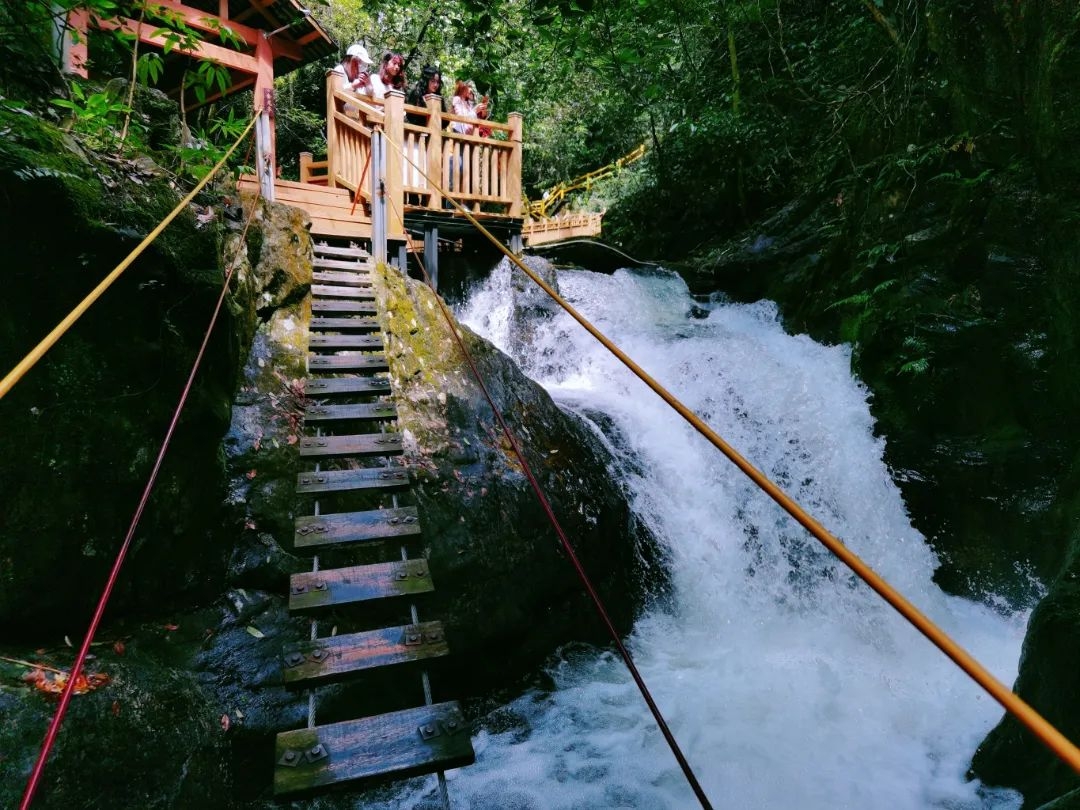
<point x="332" y="587"/>
<point x="311" y="483"/>
<point x="337" y="291"/>
<point x="332" y="658"/>
<point x="320" y="531"/>
<point x="336" y="229"/>
<point x="347" y="362"/>
<point x="323" y="249"/>
<point x="368" y="410"/>
<point x="354" y="279"/>
<point x="328" y="386"/>
<point x="345" y="324"/>
<point x="345" y="342"/>
<point x="359" y="444"/>
<point x="399" y="744"/>
<point x="355" y="265"/>
<point x="335" y="305"/>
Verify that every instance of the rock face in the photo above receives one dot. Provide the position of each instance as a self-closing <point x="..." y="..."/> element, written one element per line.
<point x="82" y="428"/>
<point x="503" y="583"/>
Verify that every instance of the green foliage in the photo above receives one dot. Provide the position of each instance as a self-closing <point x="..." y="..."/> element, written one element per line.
<point x="95" y="116"/>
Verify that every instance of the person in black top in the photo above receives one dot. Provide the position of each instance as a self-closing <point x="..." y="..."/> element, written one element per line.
<point x="430" y="82"/>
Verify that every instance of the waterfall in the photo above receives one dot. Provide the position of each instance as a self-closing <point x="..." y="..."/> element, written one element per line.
<point x="787" y="682"/>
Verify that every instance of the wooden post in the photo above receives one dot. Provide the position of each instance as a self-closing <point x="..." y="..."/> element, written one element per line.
<point x="394" y="124"/>
<point x="331" y="133"/>
<point x="265" y="137"/>
<point x="74" y="43"/>
<point x="305" y="166"/>
<point x="434" y="150"/>
<point x="513" y="171"/>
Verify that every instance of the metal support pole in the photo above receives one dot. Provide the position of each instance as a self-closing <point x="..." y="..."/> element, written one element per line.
<point x="431" y="254"/>
<point x="378" y="197"/>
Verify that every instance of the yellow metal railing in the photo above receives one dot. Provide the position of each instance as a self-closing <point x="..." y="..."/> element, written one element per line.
<point x="555" y="196"/>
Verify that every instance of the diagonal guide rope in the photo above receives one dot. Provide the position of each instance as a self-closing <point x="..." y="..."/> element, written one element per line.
<point x="1043" y="730"/>
<point x="598" y="603"/>
<point x="84" y="649"/>
<point x="61" y="328"/>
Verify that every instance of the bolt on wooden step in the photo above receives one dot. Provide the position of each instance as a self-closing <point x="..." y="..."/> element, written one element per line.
<point x="356" y="410"/>
<point x="332" y="658"/>
<point x="345" y="342"/>
<point x="398" y="744"/>
<point x="315" y="532"/>
<point x="329" y="386"/>
<point x="348" y="362"/>
<point x="314" y="483"/>
<point x="333" y="587"/>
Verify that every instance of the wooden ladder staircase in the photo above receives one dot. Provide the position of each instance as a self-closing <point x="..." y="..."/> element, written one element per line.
<point x="348" y="392"/>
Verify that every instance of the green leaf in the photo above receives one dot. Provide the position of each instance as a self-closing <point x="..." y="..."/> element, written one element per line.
<point x="255" y="631"/>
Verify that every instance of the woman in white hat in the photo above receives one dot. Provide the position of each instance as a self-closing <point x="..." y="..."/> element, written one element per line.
<point x="352" y="73"/>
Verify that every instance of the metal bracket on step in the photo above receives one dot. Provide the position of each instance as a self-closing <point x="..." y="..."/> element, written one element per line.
<point x="316" y="753"/>
<point x="313" y="528"/>
<point x="313" y="479"/>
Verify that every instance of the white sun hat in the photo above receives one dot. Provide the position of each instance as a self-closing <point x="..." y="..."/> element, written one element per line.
<point x="360" y="52"/>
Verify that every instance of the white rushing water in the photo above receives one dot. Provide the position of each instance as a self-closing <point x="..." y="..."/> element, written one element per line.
<point x="787" y="684"/>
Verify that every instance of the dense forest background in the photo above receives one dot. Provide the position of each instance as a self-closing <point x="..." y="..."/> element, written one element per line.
<point x="898" y="174"/>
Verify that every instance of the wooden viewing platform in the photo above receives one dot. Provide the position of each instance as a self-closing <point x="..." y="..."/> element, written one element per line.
<point x="388" y="180"/>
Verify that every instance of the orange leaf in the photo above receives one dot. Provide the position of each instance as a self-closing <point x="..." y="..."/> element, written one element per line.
<point x="225" y="722"/>
<point x="171" y="626"/>
<point x="251" y="474"/>
<point x="118" y="647"/>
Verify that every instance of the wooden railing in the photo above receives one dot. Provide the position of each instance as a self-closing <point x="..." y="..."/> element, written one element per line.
<point x="423" y="159"/>
<point x="561" y="228"/>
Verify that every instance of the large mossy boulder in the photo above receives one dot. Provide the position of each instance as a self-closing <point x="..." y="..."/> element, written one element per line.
<point x="82" y="427"/>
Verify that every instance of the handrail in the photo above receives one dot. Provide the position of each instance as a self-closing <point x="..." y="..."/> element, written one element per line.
<point x="482" y="172"/>
<point x="556" y="195"/>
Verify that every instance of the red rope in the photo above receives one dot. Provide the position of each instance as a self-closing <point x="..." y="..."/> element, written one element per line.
<point x="80" y="659"/>
<point x="593" y="595"/>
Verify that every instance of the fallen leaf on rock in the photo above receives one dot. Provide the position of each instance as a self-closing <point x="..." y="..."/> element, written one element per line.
<point x="171" y="626"/>
<point x="255" y="631"/>
<point x="249" y="524"/>
<point x="225" y="723"/>
<point x="251" y="474"/>
<point x="53" y="683"/>
<point x="116" y="708"/>
<point x="68" y="641"/>
<point x="118" y="647"/>
<point x="292" y="439"/>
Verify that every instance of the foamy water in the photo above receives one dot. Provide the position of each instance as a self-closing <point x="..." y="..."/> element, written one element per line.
<point x="787" y="683"/>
